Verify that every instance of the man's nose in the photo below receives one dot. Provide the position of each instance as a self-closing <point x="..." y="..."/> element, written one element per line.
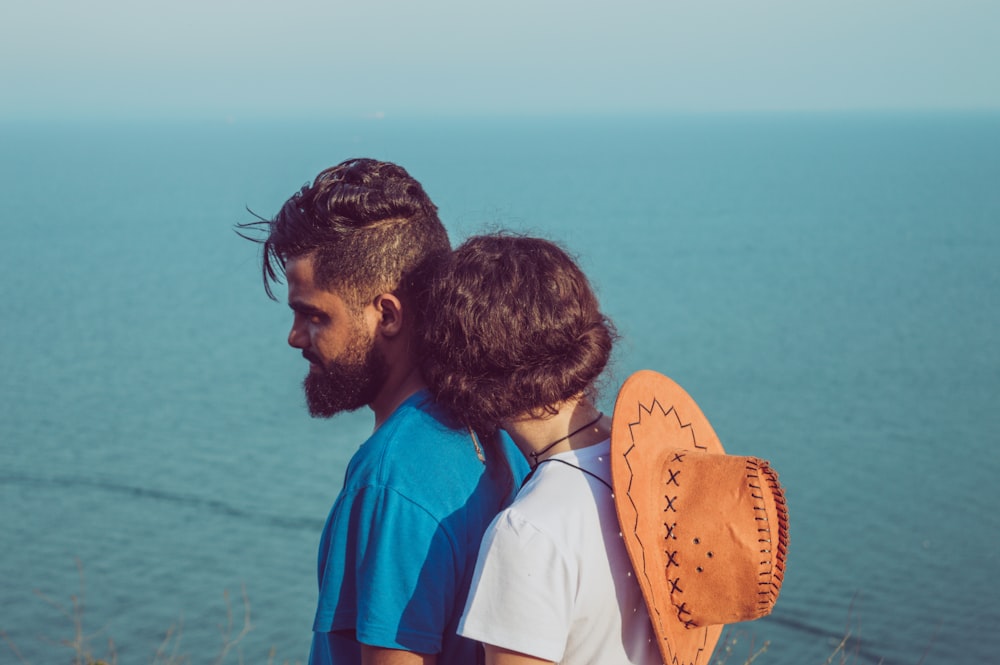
<point x="297" y="337"/>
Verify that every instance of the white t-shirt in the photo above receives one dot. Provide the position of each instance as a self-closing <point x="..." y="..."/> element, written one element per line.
<point x="553" y="579"/>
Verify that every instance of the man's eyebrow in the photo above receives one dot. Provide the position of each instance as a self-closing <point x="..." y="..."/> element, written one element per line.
<point x="304" y="308"/>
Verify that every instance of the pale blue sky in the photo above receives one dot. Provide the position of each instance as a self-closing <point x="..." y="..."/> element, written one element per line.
<point x="228" y="58"/>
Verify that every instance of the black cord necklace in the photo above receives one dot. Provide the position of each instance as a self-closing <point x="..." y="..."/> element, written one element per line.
<point x="535" y="455"/>
<point x="556" y="459"/>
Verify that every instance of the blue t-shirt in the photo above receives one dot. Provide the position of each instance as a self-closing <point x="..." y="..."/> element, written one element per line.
<point x="399" y="548"/>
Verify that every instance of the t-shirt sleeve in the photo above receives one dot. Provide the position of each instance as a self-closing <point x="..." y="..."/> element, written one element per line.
<point x="387" y="572"/>
<point x="522" y="592"/>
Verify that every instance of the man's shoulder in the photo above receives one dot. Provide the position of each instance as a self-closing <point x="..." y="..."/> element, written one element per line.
<point x="417" y="423"/>
<point x="413" y="445"/>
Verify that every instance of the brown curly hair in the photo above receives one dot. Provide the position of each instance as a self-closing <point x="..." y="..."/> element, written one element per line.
<point x="511" y="328"/>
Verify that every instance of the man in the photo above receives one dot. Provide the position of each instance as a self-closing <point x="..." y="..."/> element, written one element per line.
<point x="399" y="547"/>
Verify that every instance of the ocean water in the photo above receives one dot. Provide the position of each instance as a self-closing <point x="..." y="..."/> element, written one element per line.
<point x="827" y="287"/>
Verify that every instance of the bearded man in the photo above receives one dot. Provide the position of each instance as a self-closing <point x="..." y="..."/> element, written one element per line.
<point x="399" y="547"/>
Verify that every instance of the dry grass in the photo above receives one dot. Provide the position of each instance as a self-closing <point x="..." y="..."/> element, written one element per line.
<point x="90" y="648"/>
<point x="729" y="646"/>
<point x="82" y="649"/>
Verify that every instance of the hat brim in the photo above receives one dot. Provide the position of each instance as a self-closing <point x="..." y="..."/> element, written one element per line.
<point x="652" y="413"/>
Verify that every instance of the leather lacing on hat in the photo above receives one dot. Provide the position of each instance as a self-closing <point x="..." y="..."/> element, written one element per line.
<point x="773" y="548"/>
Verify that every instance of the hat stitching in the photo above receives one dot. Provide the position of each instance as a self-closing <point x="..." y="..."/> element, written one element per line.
<point x="772" y="562"/>
<point x="682" y="610"/>
<point x="671" y="556"/>
<point x="670" y="531"/>
<point x="666" y="412"/>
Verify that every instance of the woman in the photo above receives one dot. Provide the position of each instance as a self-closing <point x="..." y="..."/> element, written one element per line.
<point x="515" y="340"/>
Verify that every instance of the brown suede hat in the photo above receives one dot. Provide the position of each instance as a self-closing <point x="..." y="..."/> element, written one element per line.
<point x="706" y="532"/>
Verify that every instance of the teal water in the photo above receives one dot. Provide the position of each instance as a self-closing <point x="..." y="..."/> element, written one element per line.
<point x="826" y="286"/>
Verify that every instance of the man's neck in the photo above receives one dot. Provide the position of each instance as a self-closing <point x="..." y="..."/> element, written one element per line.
<point x="397" y="389"/>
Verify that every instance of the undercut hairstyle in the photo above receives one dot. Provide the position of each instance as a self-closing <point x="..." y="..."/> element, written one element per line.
<point x="511" y="328"/>
<point x="368" y="226"/>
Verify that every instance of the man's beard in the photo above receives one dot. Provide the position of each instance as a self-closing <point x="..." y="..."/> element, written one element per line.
<point x="347" y="384"/>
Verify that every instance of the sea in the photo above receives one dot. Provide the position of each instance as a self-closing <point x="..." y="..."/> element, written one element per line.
<point x="825" y="285"/>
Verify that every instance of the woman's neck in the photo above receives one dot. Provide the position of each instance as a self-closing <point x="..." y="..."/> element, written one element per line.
<point x="576" y="424"/>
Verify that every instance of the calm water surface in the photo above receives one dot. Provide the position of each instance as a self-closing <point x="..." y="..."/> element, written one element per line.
<point x="825" y="286"/>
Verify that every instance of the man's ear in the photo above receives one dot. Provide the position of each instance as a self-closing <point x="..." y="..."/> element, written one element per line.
<point x="389" y="310"/>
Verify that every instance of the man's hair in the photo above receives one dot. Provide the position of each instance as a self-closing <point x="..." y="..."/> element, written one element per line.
<point x="367" y="225"/>
<point x="511" y="327"/>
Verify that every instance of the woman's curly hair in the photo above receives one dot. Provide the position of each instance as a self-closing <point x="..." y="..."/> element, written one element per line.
<point x="511" y="328"/>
